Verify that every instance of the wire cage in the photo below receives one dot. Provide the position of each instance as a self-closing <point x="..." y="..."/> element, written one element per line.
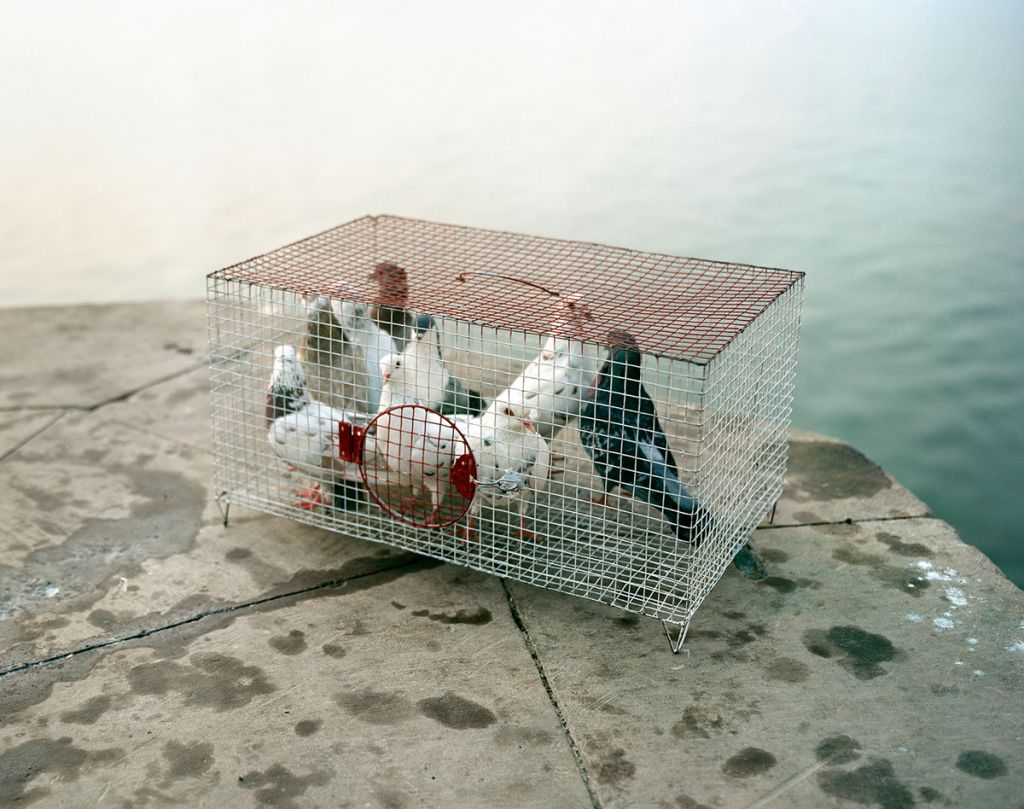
<point x="604" y="422"/>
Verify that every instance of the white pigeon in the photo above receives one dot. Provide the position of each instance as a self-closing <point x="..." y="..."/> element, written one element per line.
<point x="420" y="445"/>
<point x="342" y="354"/>
<point x="423" y="378"/>
<point x="304" y="433"/>
<point x="512" y="461"/>
<point x="551" y="390"/>
<point x="428" y="381"/>
<point x="288" y="391"/>
<point x="373" y="342"/>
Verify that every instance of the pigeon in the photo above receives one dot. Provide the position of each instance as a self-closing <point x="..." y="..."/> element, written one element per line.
<point x="417" y="443"/>
<point x="551" y="390"/>
<point x="426" y="380"/>
<point x="374" y="343"/>
<point x="620" y="431"/>
<point x="342" y="354"/>
<point x="304" y="434"/>
<point x="389" y="311"/>
<point x="287" y="392"/>
<point x="512" y="461"/>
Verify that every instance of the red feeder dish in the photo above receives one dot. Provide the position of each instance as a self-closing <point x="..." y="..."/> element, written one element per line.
<point x="417" y="466"/>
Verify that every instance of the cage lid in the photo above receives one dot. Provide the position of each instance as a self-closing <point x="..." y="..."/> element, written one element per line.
<point x="683" y="308"/>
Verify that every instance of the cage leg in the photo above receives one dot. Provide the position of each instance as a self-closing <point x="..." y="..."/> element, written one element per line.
<point x="771" y="517"/>
<point x="223" y="506"/>
<point x="676" y="634"/>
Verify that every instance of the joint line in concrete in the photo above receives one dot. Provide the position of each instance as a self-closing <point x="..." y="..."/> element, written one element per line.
<point x="145" y="633"/>
<point x="34" y="434"/>
<point x="517" y="617"/>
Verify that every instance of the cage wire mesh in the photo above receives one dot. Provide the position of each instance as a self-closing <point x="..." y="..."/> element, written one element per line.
<point x="604" y="422"/>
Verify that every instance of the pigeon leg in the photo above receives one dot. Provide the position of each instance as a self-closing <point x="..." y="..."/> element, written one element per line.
<point x="310" y="498"/>
<point x="466" y="531"/>
<point x="524" y="533"/>
<point x="435" y="503"/>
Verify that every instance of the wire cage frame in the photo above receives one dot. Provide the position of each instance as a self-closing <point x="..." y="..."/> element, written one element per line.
<point x="604" y="422"/>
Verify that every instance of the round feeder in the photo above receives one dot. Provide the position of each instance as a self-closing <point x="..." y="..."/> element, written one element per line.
<point x="417" y="465"/>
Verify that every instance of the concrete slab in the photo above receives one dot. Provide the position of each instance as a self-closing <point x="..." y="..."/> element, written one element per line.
<point x="84" y="355"/>
<point x="880" y="664"/>
<point x="829" y="481"/>
<point x="178" y="410"/>
<point x="403" y="689"/>
<point x="111" y="531"/>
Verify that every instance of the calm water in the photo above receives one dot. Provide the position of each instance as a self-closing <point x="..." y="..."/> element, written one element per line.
<point x="880" y="149"/>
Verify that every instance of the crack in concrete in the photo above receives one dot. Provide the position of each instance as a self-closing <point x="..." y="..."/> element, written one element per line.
<point x="848" y="521"/>
<point x="145" y="633"/>
<point x="517" y="618"/>
<point x="120" y="397"/>
<point x="40" y="431"/>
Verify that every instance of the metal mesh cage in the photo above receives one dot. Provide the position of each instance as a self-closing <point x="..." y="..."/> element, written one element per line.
<point x="604" y="422"/>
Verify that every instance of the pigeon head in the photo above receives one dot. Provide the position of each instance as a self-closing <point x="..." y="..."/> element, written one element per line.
<point x="624" y="360"/>
<point x="287" y="393"/>
<point x="392" y="282"/>
<point x="620" y="338"/>
<point x="287" y="370"/>
<point x="392" y="369"/>
<point x="574" y="313"/>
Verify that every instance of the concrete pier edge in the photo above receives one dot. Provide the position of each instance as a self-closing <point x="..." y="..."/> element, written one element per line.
<point x="150" y="655"/>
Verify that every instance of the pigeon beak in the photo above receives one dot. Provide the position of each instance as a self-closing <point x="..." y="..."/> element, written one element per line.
<point x="529" y="426"/>
<point x="387" y="377"/>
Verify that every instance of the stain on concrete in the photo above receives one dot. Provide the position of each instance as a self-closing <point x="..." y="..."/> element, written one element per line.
<point x="837" y="750"/>
<point x="684" y="801"/>
<point x="102" y="619"/>
<point x="697" y="720"/>
<point x="356" y="575"/>
<point x="391" y="798"/>
<point x="981" y="764"/>
<point x="857" y="651"/>
<point x="398" y="605"/>
<point x="519" y="736"/>
<point x="775" y="555"/>
<point x="307" y="727"/>
<point x="478" y="616"/>
<point x="906" y="580"/>
<point x="628" y="621"/>
<point x="333" y="650"/>
<point x="787" y="670"/>
<point x="929" y="795"/>
<point x="88" y="712"/>
<point x="614" y="768"/>
<point x="164" y="520"/>
<point x="779" y="584"/>
<point x="21" y="764"/>
<point x="749" y="761"/>
<point x="595" y="704"/>
<point x="734" y="615"/>
<point x="821" y="470"/>
<point x="456" y="712"/>
<point x="188" y="760"/>
<point x="278" y="786"/>
<point x="872" y="783"/>
<point x="237" y="554"/>
<point x="376" y="707"/>
<point x="901" y="548"/>
<point x="291" y="644"/>
<point x="212" y="680"/>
